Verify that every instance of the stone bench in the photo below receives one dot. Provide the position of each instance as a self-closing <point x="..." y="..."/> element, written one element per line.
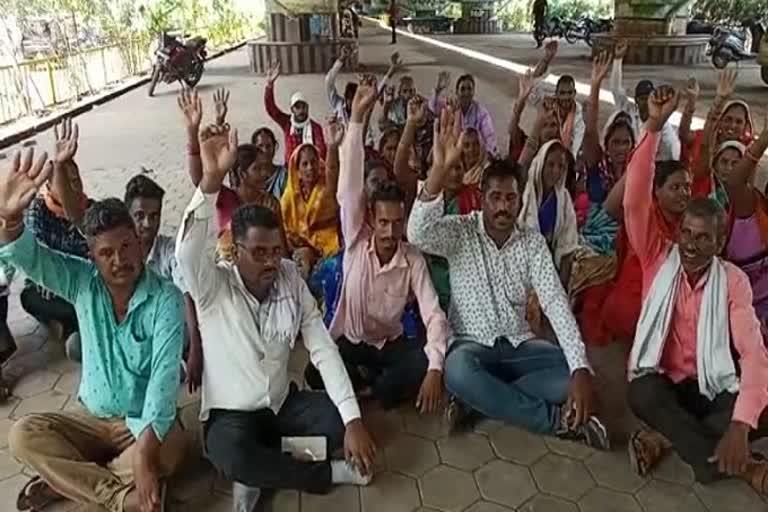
<point x="429" y="24"/>
<point x="661" y="50"/>
<point x="476" y="25"/>
<point x="297" y="58"/>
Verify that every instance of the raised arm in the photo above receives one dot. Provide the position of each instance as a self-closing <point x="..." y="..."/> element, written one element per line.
<point x="191" y="107"/>
<point x="616" y="81"/>
<point x="524" y="87"/>
<point x="335" y="135"/>
<point x="726" y="84"/>
<point x="65" y="172"/>
<point x="62" y="274"/>
<point x="546" y="112"/>
<point x="692" y="92"/>
<point x="593" y="153"/>
<point x="334" y="98"/>
<point x="550" y="52"/>
<point x="641" y="224"/>
<point x="488" y="131"/>
<point x="739" y="185"/>
<point x="404" y="175"/>
<point x="351" y="193"/>
<point x="274" y="112"/>
<point x="196" y="243"/>
<point x="437" y="102"/>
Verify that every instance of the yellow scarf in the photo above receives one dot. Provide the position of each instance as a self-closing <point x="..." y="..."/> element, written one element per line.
<point x="312" y="222"/>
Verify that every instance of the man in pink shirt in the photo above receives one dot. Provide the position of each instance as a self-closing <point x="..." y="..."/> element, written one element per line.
<point x="698" y="368"/>
<point x="381" y="272"/>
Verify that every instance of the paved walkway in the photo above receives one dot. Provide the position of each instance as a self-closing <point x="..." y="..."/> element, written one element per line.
<point x="493" y="469"/>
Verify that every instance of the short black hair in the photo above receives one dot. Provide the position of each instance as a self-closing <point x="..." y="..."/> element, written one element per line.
<point x="665" y="169"/>
<point x="106" y="215"/>
<point x="707" y="208"/>
<point x="500" y="169"/>
<point x="246" y="155"/>
<point x="387" y="193"/>
<point x="565" y="79"/>
<point x="374" y="163"/>
<point x="465" y="78"/>
<point x="264" y="131"/>
<point x="142" y="186"/>
<point x="250" y="216"/>
<point x="618" y="123"/>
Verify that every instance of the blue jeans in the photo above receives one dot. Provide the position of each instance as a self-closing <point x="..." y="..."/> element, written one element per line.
<point x="524" y="386"/>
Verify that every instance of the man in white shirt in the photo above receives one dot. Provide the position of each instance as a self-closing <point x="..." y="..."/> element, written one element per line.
<point x="495" y="364"/>
<point x="669" y="148"/>
<point x="250" y="313"/>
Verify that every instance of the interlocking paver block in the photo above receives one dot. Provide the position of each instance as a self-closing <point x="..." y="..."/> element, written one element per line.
<point x="8" y="465"/>
<point x="517" y="445"/>
<point x="487" y="506"/>
<point x="568" y="448"/>
<point x="429" y="426"/>
<point x="344" y="498"/>
<point x="411" y="455"/>
<point x="612" y="470"/>
<point x="465" y="451"/>
<point x="730" y="495"/>
<point x="505" y="483"/>
<point x="390" y="493"/>
<point x="44" y="402"/>
<point x="660" y="496"/>
<point x="673" y="469"/>
<point x="448" y="489"/>
<point x="605" y="500"/>
<point x="543" y="503"/>
<point x="563" y="477"/>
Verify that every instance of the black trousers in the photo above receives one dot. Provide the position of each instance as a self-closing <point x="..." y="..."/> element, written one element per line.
<point x="539" y="24"/>
<point x="394" y="372"/>
<point x="692" y="423"/>
<point x="44" y="310"/>
<point x="7" y="343"/>
<point x="246" y="445"/>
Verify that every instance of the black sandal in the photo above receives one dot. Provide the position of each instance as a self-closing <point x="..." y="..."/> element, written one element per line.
<point x="33" y="501"/>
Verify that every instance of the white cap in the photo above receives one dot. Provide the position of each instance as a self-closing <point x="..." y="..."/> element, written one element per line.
<point x="298" y="97"/>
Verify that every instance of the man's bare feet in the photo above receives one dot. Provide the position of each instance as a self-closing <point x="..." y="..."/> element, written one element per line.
<point x="757" y="476"/>
<point x="36" y="495"/>
<point x="646" y="449"/>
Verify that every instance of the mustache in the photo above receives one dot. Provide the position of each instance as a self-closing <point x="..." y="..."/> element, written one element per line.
<point x="504" y="214"/>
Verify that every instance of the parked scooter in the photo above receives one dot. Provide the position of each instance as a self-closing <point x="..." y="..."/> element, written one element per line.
<point x="730" y="45"/>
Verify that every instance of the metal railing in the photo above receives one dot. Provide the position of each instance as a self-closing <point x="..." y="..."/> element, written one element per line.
<point x="33" y="86"/>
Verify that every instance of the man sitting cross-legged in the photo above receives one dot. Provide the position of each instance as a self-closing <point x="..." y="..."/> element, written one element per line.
<point x="380" y="273"/>
<point x="251" y="311"/>
<point x="697" y="315"/>
<point x="495" y="364"/>
<point x="114" y="452"/>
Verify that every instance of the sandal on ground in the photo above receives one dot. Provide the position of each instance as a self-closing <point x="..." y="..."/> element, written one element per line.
<point x="35" y="496"/>
<point x="646" y="449"/>
<point x="757" y="477"/>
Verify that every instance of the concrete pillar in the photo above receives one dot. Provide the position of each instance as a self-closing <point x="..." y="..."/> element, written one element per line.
<point x="652" y="17"/>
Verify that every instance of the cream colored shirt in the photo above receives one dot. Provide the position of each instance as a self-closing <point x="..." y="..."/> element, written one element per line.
<point x="247" y="343"/>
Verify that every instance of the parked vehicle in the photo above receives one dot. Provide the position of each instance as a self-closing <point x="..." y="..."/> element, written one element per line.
<point x="585" y="27"/>
<point x="728" y="45"/>
<point x="178" y="61"/>
<point x="555" y="27"/>
<point x="762" y="59"/>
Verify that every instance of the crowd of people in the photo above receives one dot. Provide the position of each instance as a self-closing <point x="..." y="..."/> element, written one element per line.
<point x="417" y="262"/>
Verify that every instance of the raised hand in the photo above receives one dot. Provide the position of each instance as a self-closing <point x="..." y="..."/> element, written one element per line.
<point x="417" y="111"/>
<point x="218" y="151"/>
<point x="726" y="82"/>
<point x="621" y="50"/>
<point x="525" y="85"/>
<point x="448" y="139"/>
<point x="443" y="80"/>
<point x="662" y="104"/>
<point x="274" y="72"/>
<point x="601" y="65"/>
<point x="692" y="90"/>
<point x="191" y="106"/>
<point x="550" y="50"/>
<point x="394" y="61"/>
<point x="19" y="185"/>
<point x="365" y="97"/>
<point x="67" y="136"/>
<point x="389" y="94"/>
<point x="346" y="53"/>
<point x="335" y="132"/>
<point x="221" y="102"/>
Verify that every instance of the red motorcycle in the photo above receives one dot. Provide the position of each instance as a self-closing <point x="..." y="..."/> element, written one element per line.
<point x="178" y="61"/>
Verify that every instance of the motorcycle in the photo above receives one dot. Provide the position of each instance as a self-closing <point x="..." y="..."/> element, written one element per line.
<point x="728" y="45"/>
<point x="178" y="61"/>
<point x="585" y="27"/>
<point x="555" y="27"/>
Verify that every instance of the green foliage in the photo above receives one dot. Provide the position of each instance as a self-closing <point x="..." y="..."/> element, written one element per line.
<point x="734" y="11"/>
<point x="515" y="15"/>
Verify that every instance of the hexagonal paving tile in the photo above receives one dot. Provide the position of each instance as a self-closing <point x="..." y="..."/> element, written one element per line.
<point x="430" y="426"/>
<point x="505" y="483"/>
<point x="8" y="465"/>
<point x="660" y="496"/>
<point x="448" y="489"/>
<point x="344" y="498"/>
<point x="69" y="383"/>
<point x="605" y="500"/>
<point x="731" y="495"/>
<point x="285" y="501"/>
<point x="563" y="477"/>
<point x="518" y="445"/>
<point x="411" y="455"/>
<point x="465" y="451"/>
<point x="35" y="383"/>
<point x="193" y="485"/>
<point x="7" y="407"/>
<point x="44" y="402"/>
<point x="612" y="470"/>
<point x="214" y="503"/>
<point x="487" y="506"/>
<point x="487" y="426"/>
<point x="5" y="427"/>
<point x="383" y="425"/>
<point x="10" y="487"/>
<point x="673" y="469"/>
<point x="390" y="493"/>
<point x="568" y="448"/>
<point x="543" y="503"/>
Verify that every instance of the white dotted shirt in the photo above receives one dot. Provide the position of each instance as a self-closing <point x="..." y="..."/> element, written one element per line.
<point x="490" y="285"/>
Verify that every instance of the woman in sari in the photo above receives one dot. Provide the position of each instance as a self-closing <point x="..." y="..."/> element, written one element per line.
<point x="474" y="157"/>
<point x="388" y="146"/>
<point x="310" y="211"/>
<point x="265" y="140"/>
<point x="726" y="121"/>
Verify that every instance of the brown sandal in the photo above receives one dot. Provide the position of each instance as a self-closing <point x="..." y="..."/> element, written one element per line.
<point x="646" y="449"/>
<point x="33" y="496"/>
<point x="757" y="477"/>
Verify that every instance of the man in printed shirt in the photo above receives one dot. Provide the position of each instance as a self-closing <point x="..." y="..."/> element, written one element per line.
<point x="495" y="364"/>
<point x="380" y="273"/>
<point x="251" y="311"/>
<point x="113" y="453"/>
<point x="709" y="427"/>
